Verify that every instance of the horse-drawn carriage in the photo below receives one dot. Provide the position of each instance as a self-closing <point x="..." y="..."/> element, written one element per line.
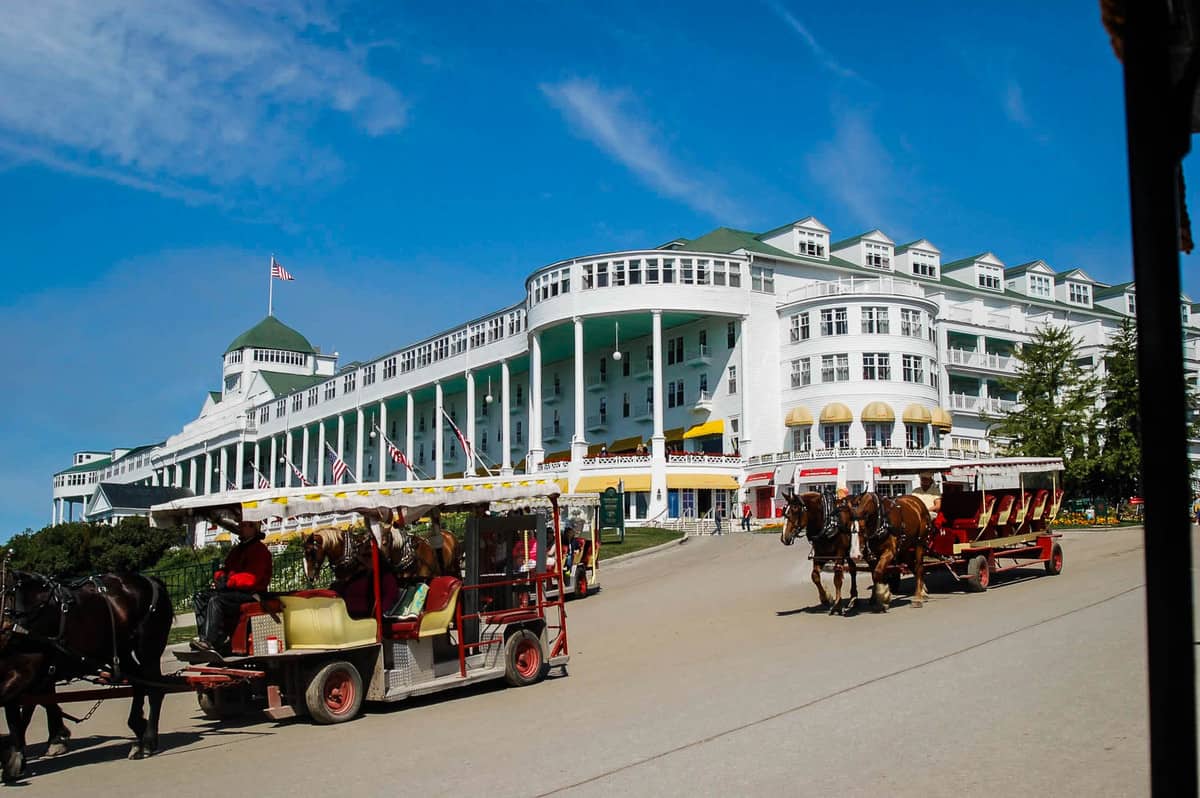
<point x="992" y="516"/>
<point x="322" y="652"/>
<point x="579" y="545"/>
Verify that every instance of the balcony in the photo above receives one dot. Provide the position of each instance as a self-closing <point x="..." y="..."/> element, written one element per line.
<point x="700" y="356"/>
<point x="552" y="432"/>
<point x="644" y="413"/>
<point x="597" y="423"/>
<point x="702" y="403"/>
<point x="643" y="370"/>
<point x="982" y="404"/>
<point x="981" y="360"/>
<point x="552" y="395"/>
<point x="597" y="382"/>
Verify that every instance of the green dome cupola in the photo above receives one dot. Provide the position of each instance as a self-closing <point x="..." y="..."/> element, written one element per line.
<point x="271" y="333"/>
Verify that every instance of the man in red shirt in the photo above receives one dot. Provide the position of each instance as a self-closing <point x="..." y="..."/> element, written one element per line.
<point x="247" y="571"/>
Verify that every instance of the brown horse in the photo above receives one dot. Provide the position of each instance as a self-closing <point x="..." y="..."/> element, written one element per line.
<point x="415" y="556"/>
<point x="113" y="626"/>
<point x="826" y="524"/>
<point x="892" y="532"/>
<point x="347" y="551"/>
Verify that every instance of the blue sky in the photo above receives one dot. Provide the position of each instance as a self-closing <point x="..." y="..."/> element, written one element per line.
<point x="411" y="164"/>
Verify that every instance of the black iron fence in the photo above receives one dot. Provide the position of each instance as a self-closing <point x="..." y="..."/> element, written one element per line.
<point x="185" y="581"/>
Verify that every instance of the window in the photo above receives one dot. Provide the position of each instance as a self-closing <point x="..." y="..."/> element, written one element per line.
<point x="989" y="276"/>
<point x="762" y="278"/>
<point x="730" y="335"/>
<point x="810" y="244"/>
<point x="369" y="375"/>
<point x="675" y="393"/>
<point x="408" y="361"/>
<point x="603" y="369"/>
<point x="834" y="322"/>
<point x="703" y="384"/>
<point x="801" y="439"/>
<point x="800" y="330"/>
<point x="835" y="436"/>
<point x="911" y="324"/>
<point x="635" y="272"/>
<point x="518" y="434"/>
<point x="878" y="256"/>
<point x="625" y="405"/>
<point x="718" y="273"/>
<point x="674" y="350"/>
<point x="877" y="366"/>
<point x="1131" y="304"/>
<point x="924" y="264"/>
<point x="280" y="408"/>
<point x="1040" y="285"/>
<point x="878" y="434"/>
<point x="914" y="436"/>
<point x="312" y="396"/>
<point x="421" y="424"/>
<point x="349" y="381"/>
<point x="668" y="270"/>
<point x="801" y="372"/>
<point x="625" y="364"/>
<point x="733" y="379"/>
<point x="264" y="414"/>
<point x="934" y="378"/>
<point x="297" y="402"/>
<point x="912" y="370"/>
<point x="603" y="410"/>
<point x="835" y="368"/>
<point x="735" y="275"/>
<point x="1079" y="294"/>
<point x="389" y="368"/>
<point x="685" y="271"/>
<point x="875" y="320"/>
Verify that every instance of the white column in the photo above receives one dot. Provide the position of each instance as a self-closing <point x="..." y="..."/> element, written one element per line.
<point x="240" y="471"/>
<point x="469" y="468"/>
<point x="224" y="466"/>
<point x="381" y="456"/>
<point x="536" y="452"/>
<point x="658" y="443"/>
<point x="359" y="475"/>
<point x="288" y="475"/>
<point x="54" y="512"/>
<point x="579" y="417"/>
<point x="745" y="434"/>
<point x="656" y="319"/>
<point x="257" y="464"/>
<point x="321" y="453"/>
<point x="341" y="438"/>
<point x="408" y="438"/>
<point x="438" y="425"/>
<point x="193" y="484"/>
<point x="505" y="424"/>
<point x="270" y="472"/>
<point x="304" y="451"/>
<point x="208" y="473"/>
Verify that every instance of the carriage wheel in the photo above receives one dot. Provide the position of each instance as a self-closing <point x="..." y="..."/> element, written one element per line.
<point x="524" y="663"/>
<point x="1054" y="565"/>
<point x="979" y="574"/>
<point x="581" y="583"/>
<point x="226" y="702"/>
<point x="335" y="693"/>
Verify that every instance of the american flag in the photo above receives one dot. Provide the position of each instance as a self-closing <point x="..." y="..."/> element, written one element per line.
<point x="304" y="483"/>
<point x="230" y="483"/>
<point x="466" y="447"/>
<point x="278" y="272"/>
<point x="394" y="452"/>
<point x="340" y="469"/>
<point x="263" y="482"/>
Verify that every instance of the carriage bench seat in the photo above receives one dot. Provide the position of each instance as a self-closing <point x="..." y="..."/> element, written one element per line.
<point x="435" y="617"/>
<point x="318" y="620"/>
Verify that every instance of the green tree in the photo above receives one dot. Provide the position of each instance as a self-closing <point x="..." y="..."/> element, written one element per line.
<point x="1120" y="466"/>
<point x="79" y="549"/>
<point x="1057" y="402"/>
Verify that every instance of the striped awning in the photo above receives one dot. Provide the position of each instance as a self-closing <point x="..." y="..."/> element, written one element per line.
<point x="836" y="413"/>
<point x="715" y="427"/>
<point x="717" y="481"/>
<point x="917" y="414"/>
<point x="942" y="419"/>
<point x="798" y="416"/>
<point x="759" y="479"/>
<point x="878" y="411"/>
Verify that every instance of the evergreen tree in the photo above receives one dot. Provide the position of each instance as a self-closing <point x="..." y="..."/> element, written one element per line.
<point x="1057" y="401"/>
<point x="1120" y="466"/>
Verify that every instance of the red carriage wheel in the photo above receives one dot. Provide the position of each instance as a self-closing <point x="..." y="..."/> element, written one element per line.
<point x="979" y="574"/>
<point x="1054" y="565"/>
<point x="334" y="693"/>
<point x="524" y="663"/>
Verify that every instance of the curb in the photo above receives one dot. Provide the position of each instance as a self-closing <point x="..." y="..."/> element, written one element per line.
<point x="633" y="555"/>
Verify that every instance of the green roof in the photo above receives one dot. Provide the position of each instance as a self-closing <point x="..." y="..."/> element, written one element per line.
<point x="215" y="396"/>
<point x="271" y="333"/>
<point x="92" y="466"/>
<point x="726" y="240"/>
<point x="964" y="261"/>
<point x="283" y="384"/>
<point x="1113" y="290"/>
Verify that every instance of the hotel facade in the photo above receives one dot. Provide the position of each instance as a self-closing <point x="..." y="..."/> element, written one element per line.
<point x="698" y="375"/>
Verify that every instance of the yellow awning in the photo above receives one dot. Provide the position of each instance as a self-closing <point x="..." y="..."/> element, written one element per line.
<point x="718" y="481"/>
<point x="674" y="434"/>
<point x="274" y="537"/>
<point x="836" y="413"/>
<point x="562" y="485"/>
<point x="916" y="414"/>
<point x="554" y="457"/>
<point x="519" y="466"/>
<point x="942" y="418"/>
<point x="798" y="416"/>
<point x="455" y="475"/>
<point x="878" y="411"/>
<point x="594" y="449"/>
<point x="633" y="483"/>
<point x="223" y="537"/>
<point x="715" y="427"/>
<point x="625" y="444"/>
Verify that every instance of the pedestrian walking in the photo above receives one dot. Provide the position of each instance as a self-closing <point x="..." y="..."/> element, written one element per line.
<point x="717" y="517"/>
<point x="746" y="516"/>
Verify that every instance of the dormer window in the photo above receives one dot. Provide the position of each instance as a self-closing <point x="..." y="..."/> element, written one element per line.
<point x="878" y="256"/>
<point x="989" y="276"/>
<point x="1131" y="304"/>
<point x="810" y="243"/>
<point x="1079" y="294"/>
<point x="924" y="264"/>
<point x="1186" y="315"/>
<point x="1041" y="286"/>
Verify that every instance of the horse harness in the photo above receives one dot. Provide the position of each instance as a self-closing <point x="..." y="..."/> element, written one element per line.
<point x="828" y="528"/>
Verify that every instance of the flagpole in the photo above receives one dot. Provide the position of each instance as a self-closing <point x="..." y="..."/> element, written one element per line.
<point x="271" y="285"/>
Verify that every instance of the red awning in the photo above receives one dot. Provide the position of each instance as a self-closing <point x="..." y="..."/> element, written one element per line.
<point x="759" y="480"/>
<point x="819" y="472"/>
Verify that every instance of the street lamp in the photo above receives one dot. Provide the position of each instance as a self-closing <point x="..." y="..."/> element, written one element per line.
<point x="616" y="340"/>
<point x="488" y="396"/>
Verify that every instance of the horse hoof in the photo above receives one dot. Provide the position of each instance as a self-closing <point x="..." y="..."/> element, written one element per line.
<point x="13" y="766"/>
<point x="136" y="752"/>
<point x="55" y="749"/>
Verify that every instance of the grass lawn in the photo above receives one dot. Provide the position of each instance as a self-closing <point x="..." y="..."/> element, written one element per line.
<point x="181" y="634"/>
<point x="636" y="539"/>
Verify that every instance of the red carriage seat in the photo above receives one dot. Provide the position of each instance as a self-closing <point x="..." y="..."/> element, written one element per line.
<point x="1039" y="506"/>
<point x="435" y="617"/>
<point x="1003" y="511"/>
<point x="983" y="512"/>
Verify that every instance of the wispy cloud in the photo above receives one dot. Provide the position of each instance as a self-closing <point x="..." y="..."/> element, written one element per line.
<point x="858" y="171"/>
<point x="820" y="53"/>
<point x="1014" y="104"/>
<point x="183" y="96"/>
<point x="607" y="119"/>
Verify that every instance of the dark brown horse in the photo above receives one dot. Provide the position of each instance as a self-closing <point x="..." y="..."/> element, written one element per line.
<point x="826" y="524"/>
<point x="113" y="626"/>
<point x="892" y="532"/>
<point x="413" y="555"/>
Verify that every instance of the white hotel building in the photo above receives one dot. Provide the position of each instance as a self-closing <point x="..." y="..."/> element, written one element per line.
<point x="745" y="360"/>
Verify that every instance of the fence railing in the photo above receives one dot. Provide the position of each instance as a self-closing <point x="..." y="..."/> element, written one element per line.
<point x="185" y="581"/>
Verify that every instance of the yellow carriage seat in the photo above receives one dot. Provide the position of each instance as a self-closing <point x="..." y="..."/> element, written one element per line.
<point x="321" y="622"/>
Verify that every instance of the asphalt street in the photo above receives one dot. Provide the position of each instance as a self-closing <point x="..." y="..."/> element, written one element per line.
<point x="706" y="669"/>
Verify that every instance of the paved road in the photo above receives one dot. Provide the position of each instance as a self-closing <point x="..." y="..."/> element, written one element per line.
<point x="700" y="671"/>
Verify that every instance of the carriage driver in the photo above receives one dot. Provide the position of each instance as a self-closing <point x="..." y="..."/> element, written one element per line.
<point x="929" y="493"/>
<point x="247" y="570"/>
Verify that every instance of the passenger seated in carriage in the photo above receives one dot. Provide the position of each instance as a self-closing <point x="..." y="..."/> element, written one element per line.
<point x="246" y="572"/>
<point x="930" y="494"/>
